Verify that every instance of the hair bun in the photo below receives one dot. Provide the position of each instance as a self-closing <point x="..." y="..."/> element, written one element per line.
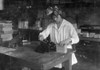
<point x="55" y="10"/>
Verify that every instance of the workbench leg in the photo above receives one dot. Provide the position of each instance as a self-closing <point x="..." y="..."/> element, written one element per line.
<point x="68" y="64"/>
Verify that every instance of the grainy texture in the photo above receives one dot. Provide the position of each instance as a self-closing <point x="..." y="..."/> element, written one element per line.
<point x="37" y="61"/>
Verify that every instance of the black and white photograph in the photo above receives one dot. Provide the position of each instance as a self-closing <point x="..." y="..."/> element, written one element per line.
<point x="49" y="34"/>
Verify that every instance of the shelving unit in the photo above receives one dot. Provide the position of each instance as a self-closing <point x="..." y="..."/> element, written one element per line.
<point x="90" y="39"/>
<point x="89" y="47"/>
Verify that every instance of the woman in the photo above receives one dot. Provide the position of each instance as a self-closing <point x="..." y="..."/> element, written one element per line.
<point x="62" y="33"/>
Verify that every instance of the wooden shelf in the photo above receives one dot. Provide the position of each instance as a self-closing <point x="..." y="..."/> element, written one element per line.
<point x="90" y="39"/>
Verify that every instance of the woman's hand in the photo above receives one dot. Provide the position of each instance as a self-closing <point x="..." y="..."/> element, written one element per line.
<point x="66" y="42"/>
<point x="41" y="38"/>
<point x="60" y="45"/>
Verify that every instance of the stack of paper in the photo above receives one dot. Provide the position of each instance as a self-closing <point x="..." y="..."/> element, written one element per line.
<point x="6" y="31"/>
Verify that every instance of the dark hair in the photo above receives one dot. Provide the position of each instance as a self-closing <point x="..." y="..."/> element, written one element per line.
<point x="57" y="10"/>
<point x="55" y="14"/>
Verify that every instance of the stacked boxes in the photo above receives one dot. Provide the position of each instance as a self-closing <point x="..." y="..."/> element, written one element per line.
<point x="23" y="25"/>
<point x="6" y="31"/>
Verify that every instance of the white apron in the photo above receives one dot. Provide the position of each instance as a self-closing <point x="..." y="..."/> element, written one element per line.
<point x="64" y="50"/>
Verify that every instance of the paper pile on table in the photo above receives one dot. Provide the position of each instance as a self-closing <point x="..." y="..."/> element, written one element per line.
<point x="6" y="31"/>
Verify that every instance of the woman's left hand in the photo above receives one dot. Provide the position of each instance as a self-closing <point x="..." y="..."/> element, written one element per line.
<point x="65" y="42"/>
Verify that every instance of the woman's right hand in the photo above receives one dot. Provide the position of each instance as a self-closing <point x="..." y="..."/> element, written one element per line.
<point x="60" y="45"/>
<point x="41" y="38"/>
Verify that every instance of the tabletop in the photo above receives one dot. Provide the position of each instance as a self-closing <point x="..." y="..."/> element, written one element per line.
<point x="35" y="60"/>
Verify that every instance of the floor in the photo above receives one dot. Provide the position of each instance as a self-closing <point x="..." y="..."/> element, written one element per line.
<point x="84" y="64"/>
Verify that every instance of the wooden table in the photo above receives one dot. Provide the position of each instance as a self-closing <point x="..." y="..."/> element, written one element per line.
<point x="37" y="61"/>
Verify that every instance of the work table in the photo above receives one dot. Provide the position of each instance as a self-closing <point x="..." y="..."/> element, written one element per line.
<point x="38" y="61"/>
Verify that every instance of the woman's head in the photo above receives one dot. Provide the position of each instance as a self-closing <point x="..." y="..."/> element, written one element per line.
<point x="56" y="18"/>
<point x="55" y="12"/>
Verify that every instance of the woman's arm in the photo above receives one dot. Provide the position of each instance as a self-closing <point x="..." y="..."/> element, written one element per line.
<point x="44" y="34"/>
<point x="73" y="37"/>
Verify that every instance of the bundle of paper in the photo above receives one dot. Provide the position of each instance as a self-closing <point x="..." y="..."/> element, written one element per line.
<point x="61" y="49"/>
<point x="6" y="31"/>
<point x="5" y="49"/>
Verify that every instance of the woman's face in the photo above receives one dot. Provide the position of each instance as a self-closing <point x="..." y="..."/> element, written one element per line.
<point x="56" y="18"/>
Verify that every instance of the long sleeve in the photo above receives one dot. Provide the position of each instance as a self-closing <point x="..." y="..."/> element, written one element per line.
<point x="46" y="32"/>
<point x="74" y="35"/>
